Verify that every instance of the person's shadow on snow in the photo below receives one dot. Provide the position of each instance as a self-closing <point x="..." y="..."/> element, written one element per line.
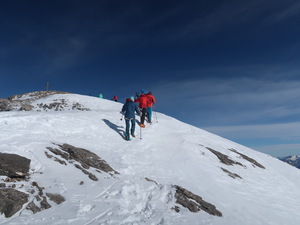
<point x="118" y="129"/>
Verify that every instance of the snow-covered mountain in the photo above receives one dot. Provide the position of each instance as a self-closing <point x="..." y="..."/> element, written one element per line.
<point x="172" y="173"/>
<point x="292" y="160"/>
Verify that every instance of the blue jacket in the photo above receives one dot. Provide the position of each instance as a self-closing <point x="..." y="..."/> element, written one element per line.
<point x="129" y="108"/>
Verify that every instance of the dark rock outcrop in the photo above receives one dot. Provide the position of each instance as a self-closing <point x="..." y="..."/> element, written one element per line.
<point x="91" y="176"/>
<point x="34" y="95"/>
<point x="233" y="175"/>
<point x="14" y="166"/>
<point x="45" y="204"/>
<point x="25" y="102"/>
<point x="55" y="198"/>
<point x="55" y="158"/>
<point x="61" y="105"/>
<point x="83" y="156"/>
<point x="5" y="105"/>
<point x="224" y="158"/>
<point x="42" y="198"/>
<point x="11" y="201"/>
<point x="26" y="107"/>
<point x="33" y="207"/>
<point x="254" y="162"/>
<point x="193" y="202"/>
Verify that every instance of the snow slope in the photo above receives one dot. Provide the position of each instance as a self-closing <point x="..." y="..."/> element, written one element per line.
<point x="169" y="153"/>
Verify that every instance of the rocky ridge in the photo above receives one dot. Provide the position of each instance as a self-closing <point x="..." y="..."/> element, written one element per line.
<point x="24" y="102"/>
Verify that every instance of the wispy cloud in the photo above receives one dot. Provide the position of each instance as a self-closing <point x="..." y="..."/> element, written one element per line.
<point x="62" y="53"/>
<point x="275" y="139"/>
<point x="255" y="109"/>
<point x="280" y="150"/>
<point x="230" y="15"/>
<point x="232" y="101"/>
<point x="288" y="10"/>
<point x="283" y="131"/>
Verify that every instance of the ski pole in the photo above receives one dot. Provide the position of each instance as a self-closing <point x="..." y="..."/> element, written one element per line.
<point x="122" y="117"/>
<point x="155" y="114"/>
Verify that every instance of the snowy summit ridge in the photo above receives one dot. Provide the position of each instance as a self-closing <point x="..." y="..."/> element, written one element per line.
<point x="83" y="172"/>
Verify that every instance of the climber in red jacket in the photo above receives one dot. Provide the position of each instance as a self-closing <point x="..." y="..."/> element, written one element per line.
<point x="143" y="101"/>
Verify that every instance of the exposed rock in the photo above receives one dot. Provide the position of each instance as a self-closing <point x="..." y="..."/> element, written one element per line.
<point x="23" y="101"/>
<point x="32" y="206"/>
<point x="85" y="157"/>
<point x="40" y="189"/>
<point x="55" y="105"/>
<point x="224" y="158"/>
<point x="34" y="95"/>
<point x="45" y="204"/>
<point x="150" y="180"/>
<point x="14" y="166"/>
<point x="43" y="199"/>
<point x="233" y="175"/>
<point x="5" y="105"/>
<point x="55" y="158"/>
<point x="254" y="162"/>
<point x="91" y="176"/>
<point x="58" y="199"/>
<point x="58" y="152"/>
<point x="176" y="208"/>
<point x="11" y="201"/>
<point x="26" y="102"/>
<point x="194" y="202"/>
<point x="60" y="105"/>
<point x="26" y="107"/>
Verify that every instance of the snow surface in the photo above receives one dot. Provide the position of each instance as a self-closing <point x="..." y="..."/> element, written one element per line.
<point x="169" y="153"/>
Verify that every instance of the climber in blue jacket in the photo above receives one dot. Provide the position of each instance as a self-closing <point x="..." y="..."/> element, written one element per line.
<point x="129" y="109"/>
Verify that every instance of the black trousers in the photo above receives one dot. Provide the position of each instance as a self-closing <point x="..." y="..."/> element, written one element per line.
<point x="144" y="111"/>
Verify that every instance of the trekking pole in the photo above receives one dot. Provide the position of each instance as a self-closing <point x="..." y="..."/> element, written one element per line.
<point x="140" y="127"/>
<point x="155" y="115"/>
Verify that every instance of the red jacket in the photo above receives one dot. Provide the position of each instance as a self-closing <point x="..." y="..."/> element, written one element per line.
<point x="143" y="101"/>
<point x="151" y="100"/>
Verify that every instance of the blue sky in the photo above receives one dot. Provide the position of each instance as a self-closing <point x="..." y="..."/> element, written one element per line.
<point x="230" y="67"/>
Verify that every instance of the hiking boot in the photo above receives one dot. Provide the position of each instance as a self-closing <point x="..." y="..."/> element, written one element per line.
<point x="128" y="139"/>
<point x="142" y="125"/>
<point x="132" y="134"/>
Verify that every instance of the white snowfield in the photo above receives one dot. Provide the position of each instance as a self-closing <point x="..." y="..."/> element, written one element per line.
<point x="169" y="153"/>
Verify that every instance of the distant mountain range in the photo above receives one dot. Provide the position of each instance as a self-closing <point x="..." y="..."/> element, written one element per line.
<point x="292" y="160"/>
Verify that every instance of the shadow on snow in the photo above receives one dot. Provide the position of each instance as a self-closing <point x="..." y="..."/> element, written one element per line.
<point x="118" y="129"/>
